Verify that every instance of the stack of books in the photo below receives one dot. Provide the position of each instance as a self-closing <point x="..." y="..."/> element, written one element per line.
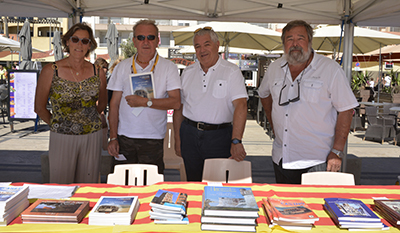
<point x="229" y="209"/>
<point x="290" y="214"/>
<point x="114" y="210"/>
<point x="389" y="210"/>
<point x="353" y="215"/>
<point x="13" y="200"/>
<point x="55" y="211"/>
<point x="169" y="207"/>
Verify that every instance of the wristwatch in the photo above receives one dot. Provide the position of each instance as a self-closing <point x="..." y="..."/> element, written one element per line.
<point x="236" y="141"/>
<point x="149" y="103"/>
<point x="338" y="153"/>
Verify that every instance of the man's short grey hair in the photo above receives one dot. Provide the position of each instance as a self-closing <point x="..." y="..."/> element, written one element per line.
<point x="297" y="23"/>
<point x="145" y="22"/>
<point x="202" y="32"/>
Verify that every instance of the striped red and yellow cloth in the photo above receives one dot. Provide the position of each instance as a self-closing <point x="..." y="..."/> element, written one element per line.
<point x="312" y="195"/>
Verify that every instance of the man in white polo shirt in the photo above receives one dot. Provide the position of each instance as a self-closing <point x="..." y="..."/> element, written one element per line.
<point x="139" y="136"/>
<point x="211" y="120"/>
<point x="309" y="104"/>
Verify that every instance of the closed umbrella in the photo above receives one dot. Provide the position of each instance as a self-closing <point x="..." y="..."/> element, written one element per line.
<point x="57" y="47"/>
<point x="26" y="47"/>
<point x="239" y="35"/>
<point x="112" y="43"/>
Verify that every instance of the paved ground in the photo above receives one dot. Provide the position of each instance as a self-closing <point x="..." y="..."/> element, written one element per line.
<point x="20" y="153"/>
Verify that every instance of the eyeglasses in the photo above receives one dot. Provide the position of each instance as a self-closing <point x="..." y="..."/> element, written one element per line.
<point x="76" y="39"/>
<point x="284" y="86"/>
<point x="289" y="100"/>
<point x="142" y="37"/>
<point x="204" y="28"/>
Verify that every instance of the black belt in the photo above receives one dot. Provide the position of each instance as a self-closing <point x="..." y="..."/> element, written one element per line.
<point x="205" y="126"/>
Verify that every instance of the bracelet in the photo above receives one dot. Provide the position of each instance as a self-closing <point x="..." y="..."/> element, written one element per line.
<point x="112" y="139"/>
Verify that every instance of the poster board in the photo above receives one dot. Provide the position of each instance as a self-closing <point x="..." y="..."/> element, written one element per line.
<point x="21" y="92"/>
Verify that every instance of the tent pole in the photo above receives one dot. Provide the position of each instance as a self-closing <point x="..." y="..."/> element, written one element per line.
<point x="347" y="59"/>
<point x="380" y="71"/>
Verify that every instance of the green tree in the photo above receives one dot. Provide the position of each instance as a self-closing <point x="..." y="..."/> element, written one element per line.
<point x="128" y="48"/>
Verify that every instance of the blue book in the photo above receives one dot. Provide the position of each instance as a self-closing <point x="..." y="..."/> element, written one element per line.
<point x="350" y="210"/>
<point x="229" y="202"/>
<point x="169" y="201"/>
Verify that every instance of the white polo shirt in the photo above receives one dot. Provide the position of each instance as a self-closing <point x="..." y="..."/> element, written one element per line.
<point x="207" y="97"/>
<point x="304" y="130"/>
<point x="150" y="123"/>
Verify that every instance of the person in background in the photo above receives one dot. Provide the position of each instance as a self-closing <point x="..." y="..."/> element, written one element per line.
<point x="212" y="117"/>
<point x="77" y="92"/>
<point x="3" y="75"/>
<point x="101" y="63"/>
<point x="309" y="104"/>
<point x="140" y="136"/>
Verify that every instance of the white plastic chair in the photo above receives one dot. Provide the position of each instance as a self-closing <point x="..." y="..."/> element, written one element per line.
<point x="327" y="178"/>
<point x="227" y="171"/>
<point x="135" y="174"/>
<point x="171" y="160"/>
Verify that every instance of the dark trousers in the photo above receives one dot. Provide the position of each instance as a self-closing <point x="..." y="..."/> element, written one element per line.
<point x="198" y="145"/>
<point x="143" y="151"/>
<point x="293" y="176"/>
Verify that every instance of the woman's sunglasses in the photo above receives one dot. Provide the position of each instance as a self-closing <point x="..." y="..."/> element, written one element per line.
<point x="149" y="37"/>
<point x="76" y="39"/>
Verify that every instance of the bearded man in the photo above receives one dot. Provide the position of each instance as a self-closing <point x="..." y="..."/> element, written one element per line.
<point x="309" y="104"/>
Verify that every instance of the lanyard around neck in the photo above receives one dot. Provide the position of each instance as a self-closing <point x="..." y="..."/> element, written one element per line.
<point x="134" y="67"/>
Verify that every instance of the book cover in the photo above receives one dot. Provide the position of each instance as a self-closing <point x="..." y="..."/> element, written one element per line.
<point x="142" y="85"/>
<point x="169" y="201"/>
<point x="56" y="210"/>
<point x="292" y="210"/>
<point x="350" y="209"/>
<point x="111" y="210"/>
<point x="10" y="195"/>
<point x="390" y="206"/>
<point x="229" y="201"/>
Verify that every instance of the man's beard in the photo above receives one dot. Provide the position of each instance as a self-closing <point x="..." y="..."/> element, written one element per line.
<point x="297" y="57"/>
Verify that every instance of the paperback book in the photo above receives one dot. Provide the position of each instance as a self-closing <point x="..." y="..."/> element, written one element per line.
<point x="112" y="210"/>
<point x="292" y="210"/>
<point x="10" y="196"/>
<point x="229" y="221"/>
<point x="229" y="202"/>
<point x="142" y="85"/>
<point x="350" y="209"/>
<point x="169" y="201"/>
<point x="13" y="212"/>
<point x="391" y="208"/>
<point x="386" y="215"/>
<point x="184" y="221"/>
<point x="225" y="227"/>
<point x="63" y="211"/>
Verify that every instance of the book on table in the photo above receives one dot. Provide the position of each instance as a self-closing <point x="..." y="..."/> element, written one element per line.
<point x="388" y="216"/>
<point x="290" y="214"/>
<point x="222" y="201"/>
<point x="169" y="201"/>
<point x="228" y="221"/>
<point x="13" y="212"/>
<point x="350" y="209"/>
<point x="184" y="221"/>
<point x="114" y="210"/>
<point x="226" y="227"/>
<point x="391" y="208"/>
<point x="11" y="195"/>
<point x="53" y="211"/>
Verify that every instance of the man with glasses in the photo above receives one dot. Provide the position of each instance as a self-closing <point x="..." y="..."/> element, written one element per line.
<point x="138" y="124"/>
<point x="211" y="120"/>
<point x="309" y="104"/>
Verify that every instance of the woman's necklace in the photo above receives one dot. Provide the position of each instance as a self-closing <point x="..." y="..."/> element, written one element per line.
<point x="73" y="75"/>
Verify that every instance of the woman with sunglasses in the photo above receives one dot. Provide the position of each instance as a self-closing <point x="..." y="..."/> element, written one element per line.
<point x="77" y="93"/>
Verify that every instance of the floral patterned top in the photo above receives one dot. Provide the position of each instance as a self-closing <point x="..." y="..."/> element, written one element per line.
<point x="73" y="104"/>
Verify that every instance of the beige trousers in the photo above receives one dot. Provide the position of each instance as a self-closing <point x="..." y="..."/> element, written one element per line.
<point x="75" y="158"/>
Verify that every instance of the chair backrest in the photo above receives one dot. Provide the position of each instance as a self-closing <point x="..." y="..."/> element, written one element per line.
<point x="227" y="171"/>
<point x="372" y="114"/>
<point x="327" y="178"/>
<point x="135" y="174"/>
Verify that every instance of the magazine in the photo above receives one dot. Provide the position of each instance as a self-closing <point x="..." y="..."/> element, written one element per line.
<point x="229" y="202"/>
